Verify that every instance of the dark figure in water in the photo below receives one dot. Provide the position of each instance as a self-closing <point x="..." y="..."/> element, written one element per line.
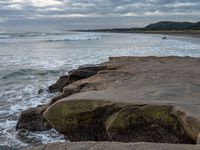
<point x="164" y="38"/>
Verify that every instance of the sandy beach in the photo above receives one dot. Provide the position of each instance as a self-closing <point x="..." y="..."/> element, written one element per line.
<point x="192" y="33"/>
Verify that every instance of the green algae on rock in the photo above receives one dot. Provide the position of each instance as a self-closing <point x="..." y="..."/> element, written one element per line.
<point x="81" y="120"/>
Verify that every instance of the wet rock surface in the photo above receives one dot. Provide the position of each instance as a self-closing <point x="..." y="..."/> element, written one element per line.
<point x="33" y="120"/>
<point x="7" y="148"/>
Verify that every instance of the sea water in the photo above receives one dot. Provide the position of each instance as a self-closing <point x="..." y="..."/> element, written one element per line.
<point x="33" y="61"/>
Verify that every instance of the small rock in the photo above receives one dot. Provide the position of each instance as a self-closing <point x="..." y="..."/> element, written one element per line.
<point x="41" y="91"/>
<point x="59" y="85"/>
<point x="32" y="119"/>
<point x="22" y="133"/>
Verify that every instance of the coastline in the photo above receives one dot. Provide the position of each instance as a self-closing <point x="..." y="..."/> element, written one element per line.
<point x="96" y="95"/>
<point x="192" y="36"/>
<point x="186" y="33"/>
<point x="46" y="69"/>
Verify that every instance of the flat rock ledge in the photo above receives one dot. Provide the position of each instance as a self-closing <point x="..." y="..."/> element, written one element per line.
<point x="127" y="99"/>
<point x="114" y="146"/>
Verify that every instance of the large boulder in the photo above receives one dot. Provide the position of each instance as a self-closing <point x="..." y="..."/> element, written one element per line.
<point x="83" y="120"/>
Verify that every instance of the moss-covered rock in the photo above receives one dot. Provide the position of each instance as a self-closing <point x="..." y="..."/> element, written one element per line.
<point x="81" y="119"/>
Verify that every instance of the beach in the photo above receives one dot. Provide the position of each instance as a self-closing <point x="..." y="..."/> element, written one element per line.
<point x="189" y="33"/>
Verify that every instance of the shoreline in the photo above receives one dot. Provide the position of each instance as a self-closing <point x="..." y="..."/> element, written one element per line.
<point x="189" y="33"/>
<point x="192" y="34"/>
<point x="186" y="36"/>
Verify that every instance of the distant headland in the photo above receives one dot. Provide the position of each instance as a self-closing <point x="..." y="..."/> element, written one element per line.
<point x="162" y="27"/>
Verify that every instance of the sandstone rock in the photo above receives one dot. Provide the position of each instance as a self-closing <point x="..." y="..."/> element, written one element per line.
<point x="32" y="119"/>
<point x="84" y="72"/>
<point x="189" y="121"/>
<point x="132" y="81"/>
<point x="158" y="96"/>
<point x="77" y="74"/>
<point x="114" y="146"/>
<point x="146" y="123"/>
<point x="58" y="86"/>
<point x="198" y="139"/>
<point x="81" y="120"/>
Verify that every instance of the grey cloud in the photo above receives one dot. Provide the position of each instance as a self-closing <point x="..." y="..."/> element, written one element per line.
<point x="97" y="7"/>
<point x="21" y="10"/>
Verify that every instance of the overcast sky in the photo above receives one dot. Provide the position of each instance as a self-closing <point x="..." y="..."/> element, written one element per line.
<point x="85" y="14"/>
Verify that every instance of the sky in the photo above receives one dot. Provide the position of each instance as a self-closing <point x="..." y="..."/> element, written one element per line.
<point x="92" y="14"/>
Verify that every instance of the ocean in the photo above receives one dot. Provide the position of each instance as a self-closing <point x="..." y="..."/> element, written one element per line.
<point x="33" y="61"/>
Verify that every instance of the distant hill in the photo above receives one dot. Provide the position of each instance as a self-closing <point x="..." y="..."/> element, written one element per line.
<point x="159" y="26"/>
<point x="168" y="25"/>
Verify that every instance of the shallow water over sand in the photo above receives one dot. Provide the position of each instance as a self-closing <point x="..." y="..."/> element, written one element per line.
<point x="32" y="61"/>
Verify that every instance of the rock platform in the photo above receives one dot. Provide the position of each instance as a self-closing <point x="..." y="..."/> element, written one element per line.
<point x="129" y="99"/>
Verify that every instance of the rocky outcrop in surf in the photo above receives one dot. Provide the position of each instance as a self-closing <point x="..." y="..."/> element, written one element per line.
<point x="127" y="99"/>
<point x="33" y="120"/>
